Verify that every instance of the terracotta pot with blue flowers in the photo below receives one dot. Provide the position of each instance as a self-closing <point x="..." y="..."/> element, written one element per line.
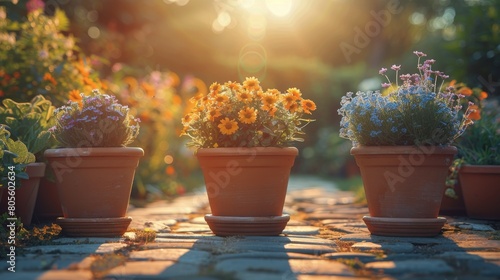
<point x="94" y="170"/>
<point x="243" y="135"/>
<point x="402" y="144"/>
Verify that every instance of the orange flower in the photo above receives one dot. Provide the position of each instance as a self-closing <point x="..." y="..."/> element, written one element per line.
<point x="295" y="92"/>
<point x="475" y="113"/>
<point x="75" y="96"/>
<point x="233" y="86"/>
<point x="452" y="83"/>
<point x="228" y="126"/>
<point x="48" y="77"/>
<point x="16" y="75"/>
<point x="247" y="115"/>
<point x="308" y="106"/>
<point x="149" y="89"/>
<point x="215" y="88"/>
<point x="268" y="99"/>
<point x="244" y="96"/>
<point x="214" y="113"/>
<point x="465" y="91"/>
<point x="1" y="93"/>
<point x="251" y="83"/>
<point x="483" y="95"/>
<point x="221" y="99"/>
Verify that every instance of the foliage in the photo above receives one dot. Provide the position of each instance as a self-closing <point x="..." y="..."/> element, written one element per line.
<point x="25" y="237"/>
<point x="235" y="115"/>
<point x="414" y="113"/>
<point x="480" y="145"/>
<point x="167" y="167"/>
<point x="37" y="58"/>
<point x="97" y="120"/>
<point x="29" y="122"/>
<point x="14" y="158"/>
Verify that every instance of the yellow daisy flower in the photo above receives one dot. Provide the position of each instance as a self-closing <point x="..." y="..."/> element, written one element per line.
<point x="215" y="88"/>
<point x="214" y="113"/>
<point x="221" y="99"/>
<point x="244" y="96"/>
<point x="228" y="126"/>
<point x="268" y="99"/>
<point x="251" y="83"/>
<point x="233" y="86"/>
<point x="295" y="92"/>
<point x="247" y="115"/>
<point x="308" y="106"/>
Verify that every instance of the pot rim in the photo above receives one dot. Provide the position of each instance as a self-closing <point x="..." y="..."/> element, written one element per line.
<point x="487" y="169"/>
<point x="391" y="150"/>
<point x="95" y="151"/>
<point x="232" y="151"/>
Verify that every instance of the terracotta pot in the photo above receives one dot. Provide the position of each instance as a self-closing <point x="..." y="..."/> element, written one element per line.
<point x="248" y="182"/>
<point x="94" y="182"/>
<point x="25" y="196"/>
<point x="481" y="190"/>
<point x="404" y="182"/>
<point x="48" y="204"/>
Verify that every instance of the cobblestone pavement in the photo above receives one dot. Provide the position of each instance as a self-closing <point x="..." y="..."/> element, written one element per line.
<point x="325" y="239"/>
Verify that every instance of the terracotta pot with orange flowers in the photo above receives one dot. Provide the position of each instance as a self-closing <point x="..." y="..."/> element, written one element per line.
<point x="402" y="144"/>
<point x="94" y="170"/>
<point x="478" y="165"/>
<point x="242" y="135"/>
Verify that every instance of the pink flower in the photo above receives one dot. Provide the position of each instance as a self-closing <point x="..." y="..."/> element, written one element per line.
<point x="419" y="54"/>
<point x="34" y="5"/>
<point x="396" y="67"/>
<point x="386" y="85"/>
<point x="382" y="71"/>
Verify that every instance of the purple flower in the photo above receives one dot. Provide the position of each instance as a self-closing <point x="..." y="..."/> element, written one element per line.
<point x="386" y="85"/>
<point x="419" y="54"/>
<point x="382" y="71"/>
<point x="396" y="67"/>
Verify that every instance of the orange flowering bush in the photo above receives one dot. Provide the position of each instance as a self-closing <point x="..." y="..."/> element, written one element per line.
<point x="38" y="59"/>
<point x="474" y="95"/>
<point x="244" y="115"/>
<point x="159" y="100"/>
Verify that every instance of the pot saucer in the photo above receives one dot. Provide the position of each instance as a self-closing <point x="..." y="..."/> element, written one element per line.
<point x="404" y="226"/>
<point x="229" y="225"/>
<point x="94" y="227"/>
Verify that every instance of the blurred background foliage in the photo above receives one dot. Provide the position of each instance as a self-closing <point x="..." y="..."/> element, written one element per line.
<point x="157" y="54"/>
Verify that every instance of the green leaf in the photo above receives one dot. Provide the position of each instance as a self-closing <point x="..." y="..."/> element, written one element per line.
<point x="62" y="20"/>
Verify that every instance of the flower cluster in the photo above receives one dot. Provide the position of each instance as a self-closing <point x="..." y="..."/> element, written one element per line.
<point x="243" y="115"/>
<point x="98" y="121"/>
<point x="37" y="58"/>
<point x="416" y="112"/>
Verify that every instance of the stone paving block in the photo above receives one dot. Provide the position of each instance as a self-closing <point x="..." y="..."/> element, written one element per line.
<point x="32" y="262"/>
<point x="194" y="228"/>
<point x="265" y="255"/>
<point x="200" y="236"/>
<point x="470" y="245"/>
<point x="284" y="267"/>
<point x="65" y="274"/>
<point x="363" y="257"/>
<point x="290" y="247"/>
<point x="152" y="270"/>
<point x="196" y="257"/>
<point x="87" y="240"/>
<point x="359" y="237"/>
<point x="427" y="266"/>
<point x="77" y="248"/>
<point x="472" y="226"/>
<point x="301" y="230"/>
<point x="70" y="261"/>
<point x="400" y="247"/>
<point x="297" y="239"/>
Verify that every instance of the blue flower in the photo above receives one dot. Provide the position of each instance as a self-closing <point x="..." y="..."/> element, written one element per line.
<point x="374" y="133"/>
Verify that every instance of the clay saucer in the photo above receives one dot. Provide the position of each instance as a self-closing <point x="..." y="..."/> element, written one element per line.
<point x="229" y="226"/>
<point x="404" y="226"/>
<point x="94" y="227"/>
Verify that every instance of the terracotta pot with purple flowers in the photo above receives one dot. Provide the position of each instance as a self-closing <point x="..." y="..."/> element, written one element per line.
<point x="402" y="143"/>
<point x="94" y="170"/>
